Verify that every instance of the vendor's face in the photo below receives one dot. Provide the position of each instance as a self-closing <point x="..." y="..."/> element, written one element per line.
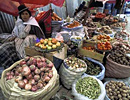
<point x="25" y="16"/>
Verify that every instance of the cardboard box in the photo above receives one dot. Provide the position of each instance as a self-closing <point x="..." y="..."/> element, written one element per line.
<point x="88" y="53"/>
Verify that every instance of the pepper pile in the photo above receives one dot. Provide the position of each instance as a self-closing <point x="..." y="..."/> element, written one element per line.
<point x="89" y="87"/>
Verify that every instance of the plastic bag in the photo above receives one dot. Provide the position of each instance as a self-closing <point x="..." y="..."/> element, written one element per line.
<point x="59" y="37"/>
<point x="101" y="75"/>
<point x="82" y="97"/>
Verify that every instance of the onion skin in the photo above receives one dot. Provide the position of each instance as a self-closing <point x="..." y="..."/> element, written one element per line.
<point x="32" y="67"/>
<point x="39" y="85"/>
<point x="21" y="84"/>
<point x="43" y="59"/>
<point x="19" y="69"/>
<point x="34" y="88"/>
<point x="28" y="87"/>
<point x="8" y="73"/>
<point x="29" y="76"/>
<point x="22" y="62"/>
<point x="50" y="65"/>
<point x="18" y="78"/>
<point x="37" y="71"/>
<point x="25" y="81"/>
<point x="47" y="79"/>
<point x="36" y="77"/>
<point x="26" y="71"/>
<point x="39" y="64"/>
<point x="32" y="82"/>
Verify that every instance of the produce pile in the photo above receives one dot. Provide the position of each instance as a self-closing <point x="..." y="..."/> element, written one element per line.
<point x="91" y="48"/>
<point x="103" y="38"/>
<point x="55" y="17"/>
<point x="74" y="63"/>
<point x="104" y="46"/>
<point x="100" y="15"/>
<point x="92" y="68"/>
<point x="105" y="29"/>
<point x="118" y="54"/>
<point x="88" y="87"/>
<point x="72" y="47"/>
<point x="32" y="73"/>
<point x="117" y="91"/>
<point x="115" y="25"/>
<point x="50" y="44"/>
<point x="73" y="25"/>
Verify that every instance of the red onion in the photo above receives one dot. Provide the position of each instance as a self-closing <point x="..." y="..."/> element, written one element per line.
<point x="26" y="58"/>
<point x="47" y="70"/>
<point x="19" y="69"/>
<point x="44" y="64"/>
<point x="22" y="62"/>
<point x="25" y="81"/>
<point x="46" y="74"/>
<point x="21" y="84"/>
<point x="36" y="77"/>
<point x="37" y="71"/>
<point x="42" y="73"/>
<point x="42" y="69"/>
<point x="39" y="64"/>
<point x="43" y="59"/>
<point x="32" y="82"/>
<point x="16" y="73"/>
<point x="47" y="79"/>
<point x="8" y="73"/>
<point x="34" y="88"/>
<point x="50" y="65"/>
<point x="26" y="71"/>
<point x="30" y="62"/>
<point x="40" y="81"/>
<point x="28" y="87"/>
<point x="18" y="78"/>
<point x="31" y="58"/>
<point x="32" y="67"/>
<point x="34" y="61"/>
<point x="12" y="73"/>
<point x="50" y="75"/>
<point x="38" y="60"/>
<point x="29" y="76"/>
<point x="39" y="85"/>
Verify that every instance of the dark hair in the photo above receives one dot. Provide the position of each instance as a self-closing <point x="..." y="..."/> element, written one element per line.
<point x="83" y="2"/>
<point x="23" y="11"/>
<point x="23" y="8"/>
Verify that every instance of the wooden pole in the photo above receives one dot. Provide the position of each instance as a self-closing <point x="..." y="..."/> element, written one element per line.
<point x="121" y="8"/>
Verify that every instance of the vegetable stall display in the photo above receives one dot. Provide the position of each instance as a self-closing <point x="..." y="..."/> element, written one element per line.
<point x="118" y="63"/>
<point x="88" y="88"/>
<point x="29" y="78"/>
<point x="117" y="90"/>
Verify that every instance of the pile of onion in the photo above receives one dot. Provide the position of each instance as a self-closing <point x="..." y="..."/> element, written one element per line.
<point x="32" y="73"/>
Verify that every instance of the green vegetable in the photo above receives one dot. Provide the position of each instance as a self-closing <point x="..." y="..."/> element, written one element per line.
<point x="92" y="69"/>
<point x="89" y="87"/>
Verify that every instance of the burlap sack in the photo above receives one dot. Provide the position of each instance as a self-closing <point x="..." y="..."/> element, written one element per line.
<point x="116" y="70"/>
<point x="11" y="90"/>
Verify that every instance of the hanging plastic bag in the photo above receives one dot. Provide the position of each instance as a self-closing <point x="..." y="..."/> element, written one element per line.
<point x="59" y="37"/>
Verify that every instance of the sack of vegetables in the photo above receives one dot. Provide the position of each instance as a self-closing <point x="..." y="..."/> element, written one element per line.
<point x="117" y="90"/>
<point x="94" y="68"/>
<point x="88" y="88"/>
<point x="28" y="79"/>
<point x="71" y="70"/>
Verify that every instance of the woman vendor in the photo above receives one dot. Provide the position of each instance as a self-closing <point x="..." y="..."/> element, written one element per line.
<point x="26" y="30"/>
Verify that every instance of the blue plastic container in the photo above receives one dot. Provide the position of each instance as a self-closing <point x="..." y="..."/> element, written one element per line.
<point x="101" y="75"/>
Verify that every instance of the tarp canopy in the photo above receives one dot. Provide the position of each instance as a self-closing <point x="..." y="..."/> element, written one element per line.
<point x="114" y="1"/>
<point x="10" y="6"/>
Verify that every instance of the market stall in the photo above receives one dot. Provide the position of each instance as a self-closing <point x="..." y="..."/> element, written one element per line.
<point x="91" y="61"/>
